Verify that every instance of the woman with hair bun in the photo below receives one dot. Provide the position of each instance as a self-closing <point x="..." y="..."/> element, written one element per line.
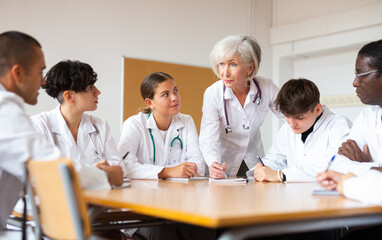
<point x="161" y="142"/>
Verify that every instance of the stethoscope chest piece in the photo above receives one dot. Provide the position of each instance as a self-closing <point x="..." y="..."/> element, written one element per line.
<point x="228" y="129"/>
<point x="257" y="99"/>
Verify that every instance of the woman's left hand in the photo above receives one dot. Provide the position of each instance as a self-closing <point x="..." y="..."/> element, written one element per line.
<point x="102" y="162"/>
<point x="183" y="170"/>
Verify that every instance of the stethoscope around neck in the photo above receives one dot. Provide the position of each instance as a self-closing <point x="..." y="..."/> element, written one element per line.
<point x="97" y="156"/>
<point x="257" y="99"/>
<point x="171" y="144"/>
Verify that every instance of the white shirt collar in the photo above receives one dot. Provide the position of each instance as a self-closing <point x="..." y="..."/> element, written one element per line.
<point x="228" y="94"/>
<point x="59" y="124"/>
<point x="175" y="122"/>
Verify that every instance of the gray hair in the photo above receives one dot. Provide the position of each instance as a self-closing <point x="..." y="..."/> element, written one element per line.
<point x="245" y="47"/>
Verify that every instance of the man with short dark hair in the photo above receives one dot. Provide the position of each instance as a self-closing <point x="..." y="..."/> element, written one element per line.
<point x="307" y="141"/>
<point x="21" y="66"/>
<point x="365" y="135"/>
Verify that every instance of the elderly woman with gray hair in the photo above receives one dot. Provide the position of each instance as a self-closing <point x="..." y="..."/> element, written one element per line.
<point x="234" y="108"/>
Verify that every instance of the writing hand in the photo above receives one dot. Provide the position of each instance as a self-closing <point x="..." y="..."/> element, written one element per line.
<point x="332" y="180"/>
<point x="114" y="174"/>
<point x="216" y="170"/>
<point x="102" y="162"/>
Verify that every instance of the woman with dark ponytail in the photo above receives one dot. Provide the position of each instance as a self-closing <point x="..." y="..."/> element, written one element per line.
<point x="161" y="142"/>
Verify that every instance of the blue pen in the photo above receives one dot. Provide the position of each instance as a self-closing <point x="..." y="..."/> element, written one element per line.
<point x="330" y="163"/>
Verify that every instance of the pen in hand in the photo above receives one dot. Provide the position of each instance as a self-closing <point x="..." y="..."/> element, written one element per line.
<point x="330" y="163"/>
<point x="223" y="170"/>
<point x="261" y="161"/>
<point x="123" y="158"/>
<point x="225" y="174"/>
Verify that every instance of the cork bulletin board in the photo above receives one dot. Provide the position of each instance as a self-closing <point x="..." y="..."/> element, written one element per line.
<point x="192" y="82"/>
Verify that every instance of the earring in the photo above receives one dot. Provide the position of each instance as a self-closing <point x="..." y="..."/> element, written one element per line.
<point x="248" y="82"/>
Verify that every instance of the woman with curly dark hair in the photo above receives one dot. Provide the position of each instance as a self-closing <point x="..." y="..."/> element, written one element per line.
<point x="83" y="138"/>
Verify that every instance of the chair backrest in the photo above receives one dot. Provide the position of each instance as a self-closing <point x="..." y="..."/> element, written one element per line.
<point x="10" y="187"/>
<point x="54" y="183"/>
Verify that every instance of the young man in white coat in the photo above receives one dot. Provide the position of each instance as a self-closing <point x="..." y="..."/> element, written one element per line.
<point x="361" y="179"/>
<point x="21" y="66"/>
<point x="307" y="141"/>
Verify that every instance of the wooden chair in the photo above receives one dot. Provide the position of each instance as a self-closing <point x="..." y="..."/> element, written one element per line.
<point x="62" y="210"/>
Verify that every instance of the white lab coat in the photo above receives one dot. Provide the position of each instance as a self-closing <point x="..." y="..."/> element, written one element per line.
<point x="136" y="140"/>
<point x="92" y="130"/>
<point x="94" y="139"/>
<point x="301" y="162"/>
<point x="241" y="144"/>
<point x="367" y="129"/>
<point x="19" y="142"/>
<point x="365" y="188"/>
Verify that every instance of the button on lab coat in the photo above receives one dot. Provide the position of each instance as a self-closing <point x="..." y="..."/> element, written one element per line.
<point x="136" y="140"/>
<point x="241" y="144"/>
<point x="301" y="162"/>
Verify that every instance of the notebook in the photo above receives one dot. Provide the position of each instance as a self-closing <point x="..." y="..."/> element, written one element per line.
<point x="324" y="192"/>
<point x="186" y="179"/>
<point x="228" y="181"/>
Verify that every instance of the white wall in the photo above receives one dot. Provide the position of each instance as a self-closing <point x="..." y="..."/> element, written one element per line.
<point x="100" y="32"/>
<point x="291" y="11"/>
<point x="295" y="36"/>
<point x="333" y="75"/>
<point x="319" y="40"/>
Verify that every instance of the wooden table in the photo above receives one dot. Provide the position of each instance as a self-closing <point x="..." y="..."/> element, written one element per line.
<point x="253" y="209"/>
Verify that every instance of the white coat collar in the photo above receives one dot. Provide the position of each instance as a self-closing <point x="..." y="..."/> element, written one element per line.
<point x="252" y="91"/>
<point x="325" y="113"/>
<point x="379" y="111"/>
<point x="2" y="88"/>
<point x="16" y="98"/>
<point x="59" y="125"/>
<point x="175" y="122"/>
